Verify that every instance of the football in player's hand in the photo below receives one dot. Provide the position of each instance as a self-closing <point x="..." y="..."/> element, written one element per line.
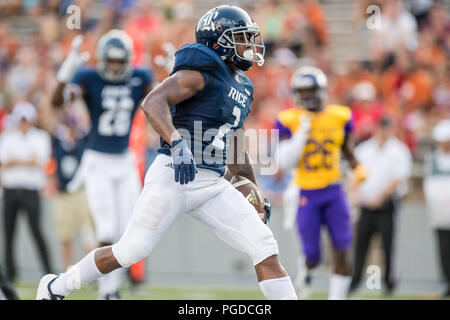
<point x="251" y="192"/>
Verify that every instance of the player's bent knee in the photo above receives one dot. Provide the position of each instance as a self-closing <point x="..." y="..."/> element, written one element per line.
<point x="130" y="252"/>
<point x="271" y="262"/>
<point x="267" y="248"/>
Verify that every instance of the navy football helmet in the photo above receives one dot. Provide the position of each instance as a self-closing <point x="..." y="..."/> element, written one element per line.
<point x="309" y="88"/>
<point x="114" y="45"/>
<point x="221" y="25"/>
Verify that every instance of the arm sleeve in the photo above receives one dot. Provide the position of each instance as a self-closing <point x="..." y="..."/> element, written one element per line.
<point x="195" y="58"/>
<point x="349" y="126"/>
<point x="80" y="77"/>
<point x="284" y="132"/>
<point x="198" y="59"/>
<point x="288" y="152"/>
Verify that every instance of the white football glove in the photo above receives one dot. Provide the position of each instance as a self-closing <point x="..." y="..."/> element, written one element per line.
<point x="74" y="60"/>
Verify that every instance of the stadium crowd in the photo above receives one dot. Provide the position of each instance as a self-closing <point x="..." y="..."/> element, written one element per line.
<point x="407" y="75"/>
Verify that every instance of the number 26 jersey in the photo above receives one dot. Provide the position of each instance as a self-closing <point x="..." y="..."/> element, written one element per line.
<point x="111" y="107"/>
<point x="319" y="165"/>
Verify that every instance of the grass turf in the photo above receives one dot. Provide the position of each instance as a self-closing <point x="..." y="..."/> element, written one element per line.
<point x="27" y="291"/>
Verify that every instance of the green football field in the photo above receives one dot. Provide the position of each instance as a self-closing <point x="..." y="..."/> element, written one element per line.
<point x="27" y="290"/>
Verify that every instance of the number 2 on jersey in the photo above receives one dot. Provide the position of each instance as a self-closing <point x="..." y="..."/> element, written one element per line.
<point x="223" y="129"/>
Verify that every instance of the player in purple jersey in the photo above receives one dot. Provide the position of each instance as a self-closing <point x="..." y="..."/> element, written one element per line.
<point x="315" y="135"/>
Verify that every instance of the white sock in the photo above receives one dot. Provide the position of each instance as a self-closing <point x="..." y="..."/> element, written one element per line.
<point x="278" y="289"/>
<point x="110" y="283"/>
<point x="81" y="273"/>
<point x="339" y="285"/>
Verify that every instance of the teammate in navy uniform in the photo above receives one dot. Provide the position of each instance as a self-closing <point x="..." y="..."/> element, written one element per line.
<point x="70" y="210"/>
<point x="112" y="92"/>
<point x="194" y="110"/>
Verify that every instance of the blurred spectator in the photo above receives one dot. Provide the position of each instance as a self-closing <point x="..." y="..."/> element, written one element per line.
<point x="398" y="31"/>
<point x="8" y="45"/>
<point x="420" y="9"/>
<point x="3" y="103"/>
<point x="416" y="89"/>
<point x="430" y="52"/>
<point x="441" y="90"/>
<point x="270" y="20"/>
<point x="304" y="27"/>
<point x="437" y="193"/>
<point x="146" y="20"/>
<point x="389" y="164"/>
<point x="23" y="74"/>
<point x="10" y="8"/>
<point x="24" y="151"/>
<point x="70" y="210"/>
<point x="438" y="21"/>
<point x="366" y="110"/>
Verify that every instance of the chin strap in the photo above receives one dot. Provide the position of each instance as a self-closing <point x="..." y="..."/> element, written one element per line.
<point x="242" y="64"/>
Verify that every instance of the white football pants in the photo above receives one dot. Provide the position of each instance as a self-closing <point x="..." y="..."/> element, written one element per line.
<point x="112" y="188"/>
<point x="209" y="198"/>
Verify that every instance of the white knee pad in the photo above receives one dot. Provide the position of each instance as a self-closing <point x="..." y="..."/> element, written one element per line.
<point x="131" y="249"/>
<point x="267" y="245"/>
<point x="151" y="218"/>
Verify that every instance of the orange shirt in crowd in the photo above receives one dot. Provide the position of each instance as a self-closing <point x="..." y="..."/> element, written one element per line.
<point x="419" y="85"/>
<point x="141" y="30"/>
<point x="317" y="19"/>
<point x="432" y="56"/>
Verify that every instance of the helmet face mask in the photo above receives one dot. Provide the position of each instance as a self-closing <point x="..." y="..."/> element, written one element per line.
<point x="309" y="88"/>
<point x="114" y="68"/>
<point x="238" y="38"/>
<point x="311" y="99"/>
<point x="249" y="39"/>
<point x="114" y="53"/>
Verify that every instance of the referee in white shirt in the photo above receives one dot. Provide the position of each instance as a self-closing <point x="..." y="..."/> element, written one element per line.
<point x="24" y="150"/>
<point x="389" y="165"/>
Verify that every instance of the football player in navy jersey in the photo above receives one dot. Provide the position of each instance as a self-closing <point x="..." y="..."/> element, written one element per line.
<point x="195" y="111"/>
<point x="112" y="92"/>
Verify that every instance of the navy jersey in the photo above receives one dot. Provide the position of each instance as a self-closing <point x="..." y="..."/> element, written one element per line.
<point x="207" y="118"/>
<point x="111" y="107"/>
<point x="68" y="159"/>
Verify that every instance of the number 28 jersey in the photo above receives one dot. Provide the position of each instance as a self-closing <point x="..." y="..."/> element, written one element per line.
<point x="111" y="107"/>
<point x="319" y="165"/>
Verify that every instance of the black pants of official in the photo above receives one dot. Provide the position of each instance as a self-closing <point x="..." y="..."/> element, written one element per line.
<point x="28" y="201"/>
<point x="371" y="222"/>
<point x="6" y="288"/>
<point x="444" y="252"/>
